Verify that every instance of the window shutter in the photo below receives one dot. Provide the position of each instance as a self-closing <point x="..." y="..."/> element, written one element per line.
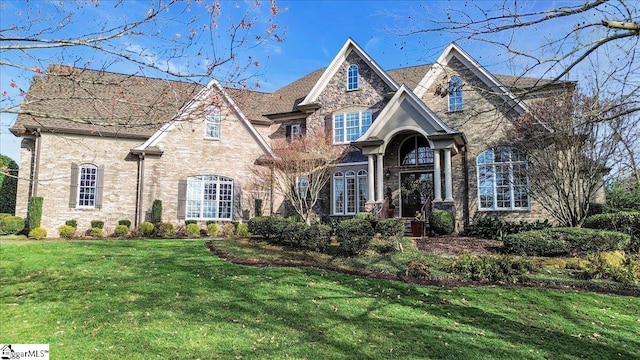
<point x="73" y="186"/>
<point x="303" y="129"/>
<point x="328" y="126"/>
<point x="182" y="199"/>
<point x="288" y="133"/>
<point x="99" y="186"/>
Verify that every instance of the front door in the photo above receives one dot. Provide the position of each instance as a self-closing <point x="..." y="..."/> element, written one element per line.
<point x="416" y="188"/>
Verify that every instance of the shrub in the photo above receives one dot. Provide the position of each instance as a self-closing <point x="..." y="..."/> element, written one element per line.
<point x="564" y="241"/>
<point x="125" y="222"/>
<point x="10" y="224"/>
<point x="213" y="230"/>
<point x="369" y="216"/>
<point x="277" y="226"/>
<point x="8" y="184"/>
<point x="625" y="222"/>
<point x="623" y="197"/>
<point x="441" y="222"/>
<point x="156" y="211"/>
<point x="97" y="224"/>
<point x="193" y="230"/>
<point x="228" y="230"/>
<point x="354" y="236"/>
<point x="35" y="212"/>
<point x="419" y="270"/>
<point x="96" y="232"/>
<point x="165" y="230"/>
<point x="612" y="266"/>
<point x="37" y="233"/>
<point x="257" y="207"/>
<point x="147" y="228"/>
<point x="67" y="231"/>
<point x="390" y="227"/>
<point x="496" y="229"/>
<point x="492" y="268"/>
<point x="383" y="245"/>
<point x="317" y="237"/>
<point x="260" y="225"/>
<point x="73" y="223"/>
<point x="294" y="233"/>
<point x="187" y="222"/>
<point x="243" y="230"/>
<point x="121" y="230"/>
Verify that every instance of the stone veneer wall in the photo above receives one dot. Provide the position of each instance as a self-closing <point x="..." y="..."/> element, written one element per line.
<point x="119" y="192"/>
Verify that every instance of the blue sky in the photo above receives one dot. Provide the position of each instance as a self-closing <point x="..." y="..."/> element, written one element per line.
<point x="315" y="32"/>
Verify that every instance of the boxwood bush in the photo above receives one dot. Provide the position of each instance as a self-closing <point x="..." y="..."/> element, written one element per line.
<point x="97" y="224"/>
<point x="496" y="229"/>
<point x="261" y="226"/>
<point x="213" y="230"/>
<point x="121" y="230"/>
<point x="441" y="222"/>
<point x="354" y="236"/>
<point x="294" y="233"/>
<point x="564" y="242"/>
<point x="390" y="227"/>
<point x="193" y="230"/>
<point x="10" y="224"/>
<point x="37" y="233"/>
<point x="317" y="237"/>
<point x="147" y="228"/>
<point x="165" y="230"/>
<point x="627" y="222"/>
<point x="67" y="231"/>
<point x="73" y="223"/>
<point x="242" y="230"/>
<point x="125" y="222"/>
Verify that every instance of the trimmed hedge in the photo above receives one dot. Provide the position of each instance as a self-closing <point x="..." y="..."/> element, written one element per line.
<point x="390" y="227"/>
<point x="317" y="237"/>
<point x="147" y="228"/>
<point x="441" y="222"/>
<point x="35" y="212"/>
<point x="165" y="230"/>
<point x="73" y="223"/>
<point x="97" y="224"/>
<point x="121" y="230"/>
<point x="125" y="222"/>
<point x="496" y="229"/>
<point x="564" y="242"/>
<point x="96" y="232"/>
<point x="627" y="222"/>
<point x="213" y="230"/>
<point x="193" y="230"/>
<point x="156" y="211"/>
<point x="354" y="236"/>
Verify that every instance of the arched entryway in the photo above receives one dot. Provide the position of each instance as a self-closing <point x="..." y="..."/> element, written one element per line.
<point x="415" y="161"/>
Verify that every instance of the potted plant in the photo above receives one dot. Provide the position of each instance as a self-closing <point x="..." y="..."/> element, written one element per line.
<point x="417" y="225"/>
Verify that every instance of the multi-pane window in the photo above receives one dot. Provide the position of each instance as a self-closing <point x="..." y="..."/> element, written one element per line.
<point x="212" y="123"/>
<point x="209" y="197"/>
<point x="302" y="186"/>
<point x="352" y="77"/>
<point x="455" y="94"/>
<point x="350" y="126"/>
<point x="349" y="192"/>
<point x="415" y="150"/>
<point x="502" y="179"/>
<point x="87" y="184"/>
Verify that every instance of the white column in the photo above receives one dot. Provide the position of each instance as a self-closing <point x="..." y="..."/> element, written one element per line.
<point x="370" y="179"/>
<point x="437" y="178"/>
<point x="379" y="174"/>
<point x="448" y="186"/>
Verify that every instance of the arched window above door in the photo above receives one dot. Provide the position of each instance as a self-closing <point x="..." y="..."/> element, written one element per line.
<point x="415" y="150"/>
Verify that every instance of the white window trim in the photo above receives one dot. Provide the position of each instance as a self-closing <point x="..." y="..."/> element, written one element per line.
<point x="493" y="164"/>
<point x="357" y="81"/>
<point x="344" y="125"/>
<point x="213" y="116"/>
<point x="80" y="187"/>
<point x="218" y="181"/>
<point x="296" y="132"/>
<point x="302" y="185"/>
<point x="449" y="98"/>
<point x="356" y="175"/>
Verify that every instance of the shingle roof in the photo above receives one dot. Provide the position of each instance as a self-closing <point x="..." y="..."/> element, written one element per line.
<point x="288" y="97"/>
<point x="98" y="102"/>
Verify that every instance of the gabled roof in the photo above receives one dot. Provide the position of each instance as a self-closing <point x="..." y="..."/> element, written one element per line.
<point x="184" y="113"/>
<point x="83" y="101"/>
<point x="330" y="71"/>
<point x="455" y="51"/>
<point x="405" y="112"/>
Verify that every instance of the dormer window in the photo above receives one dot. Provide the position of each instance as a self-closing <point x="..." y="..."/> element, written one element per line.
<point x="455" y="94"/>
<point x="212" y="123"/>
<point x="352" y="77"/>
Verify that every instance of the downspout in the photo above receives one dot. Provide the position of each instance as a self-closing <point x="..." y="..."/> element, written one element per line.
<point x="36" y="165"/>
<point x="271" y="194"/>
<point x="139" y="190"/>
<point x="465" y="203"/>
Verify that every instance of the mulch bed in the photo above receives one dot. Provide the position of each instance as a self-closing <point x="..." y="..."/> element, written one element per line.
<point x="444" y="246"/>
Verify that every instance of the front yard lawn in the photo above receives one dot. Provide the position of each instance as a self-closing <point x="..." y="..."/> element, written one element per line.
<point x="117" y="299"/>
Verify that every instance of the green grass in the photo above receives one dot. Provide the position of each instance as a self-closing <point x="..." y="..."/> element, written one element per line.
<point x="172" y="299"/>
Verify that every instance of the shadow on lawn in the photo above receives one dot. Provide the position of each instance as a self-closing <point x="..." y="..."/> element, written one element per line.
<point x="267" y="300"/>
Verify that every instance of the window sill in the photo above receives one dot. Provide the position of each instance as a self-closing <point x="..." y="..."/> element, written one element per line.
<point x="506" y="210"/>
<point x="211" y="139"/>
<point x="454" y="111"/>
